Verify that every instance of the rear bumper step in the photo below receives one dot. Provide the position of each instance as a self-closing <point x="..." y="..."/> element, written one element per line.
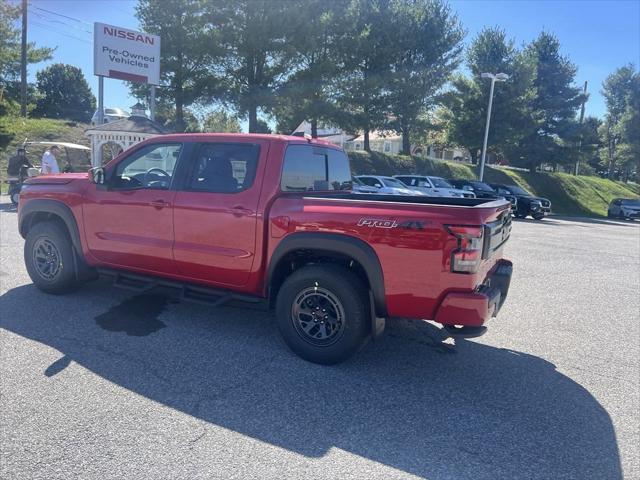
<point x="474" y="309"/>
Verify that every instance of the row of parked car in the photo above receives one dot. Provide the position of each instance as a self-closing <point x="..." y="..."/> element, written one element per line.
<point x="523" y="204"/>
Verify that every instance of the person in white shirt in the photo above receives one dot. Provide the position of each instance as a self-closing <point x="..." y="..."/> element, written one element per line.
<point x="49" y="162"/>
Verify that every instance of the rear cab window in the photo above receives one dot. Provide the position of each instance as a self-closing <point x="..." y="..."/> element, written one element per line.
<point x="313" y="168"/>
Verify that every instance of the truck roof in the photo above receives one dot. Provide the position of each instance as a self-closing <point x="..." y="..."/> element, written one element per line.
<point x="245" y="136"/>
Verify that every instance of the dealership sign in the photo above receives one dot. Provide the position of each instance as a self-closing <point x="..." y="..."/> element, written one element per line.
<point x="126" y="54"/>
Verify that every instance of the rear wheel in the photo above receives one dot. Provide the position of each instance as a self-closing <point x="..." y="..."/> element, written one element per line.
<point x="15" y="197"/>
<point x="322" y="313"/>
<point x="49" y="258"/>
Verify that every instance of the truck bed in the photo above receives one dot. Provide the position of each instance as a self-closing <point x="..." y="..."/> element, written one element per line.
<point x="418" y="199"/>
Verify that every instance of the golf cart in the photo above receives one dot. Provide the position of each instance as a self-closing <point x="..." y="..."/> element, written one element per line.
<point x="76" y="158"/>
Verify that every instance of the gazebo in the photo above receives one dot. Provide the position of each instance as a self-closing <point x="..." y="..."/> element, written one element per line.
<point x="122" y="134"/>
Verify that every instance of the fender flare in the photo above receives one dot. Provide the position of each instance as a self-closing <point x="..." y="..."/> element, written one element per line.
<point x="345" y="245"/>
<point x="53" y="207"/>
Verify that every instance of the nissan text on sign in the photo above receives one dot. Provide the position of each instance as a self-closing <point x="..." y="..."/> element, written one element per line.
<point x="126" y="54"/>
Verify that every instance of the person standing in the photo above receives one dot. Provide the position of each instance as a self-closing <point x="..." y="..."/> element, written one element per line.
<point x="49" y="162"/>
<point x="18" y="164"/>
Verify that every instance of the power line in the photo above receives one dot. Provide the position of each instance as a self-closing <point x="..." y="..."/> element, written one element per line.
<point x="47" y="19"/>
<point x="51" y="29"/>
<point x="60" y="15"/>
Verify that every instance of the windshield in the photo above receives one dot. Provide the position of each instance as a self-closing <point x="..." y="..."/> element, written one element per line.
<point x="631" y="203"/>
<point x="517" y="190"/>
<point x="483" y="187"/>
<point x="440" y="182"/>
<point x="392" y="182"/>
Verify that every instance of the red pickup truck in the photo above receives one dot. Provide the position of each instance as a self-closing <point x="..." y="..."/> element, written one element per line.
<point x="271" y="220"/>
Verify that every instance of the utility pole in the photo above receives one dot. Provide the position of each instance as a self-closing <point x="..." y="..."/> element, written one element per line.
<point x="500" y="77"/>
<point x="584" y="100"/>
<point x="23" y="59"/>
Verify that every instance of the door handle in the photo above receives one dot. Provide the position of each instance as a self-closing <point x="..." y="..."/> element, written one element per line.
<point x="159" y="204"/>
<point x="239" y="211"/>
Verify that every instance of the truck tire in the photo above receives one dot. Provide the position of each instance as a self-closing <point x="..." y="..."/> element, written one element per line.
<point x="322" y="313"/>
<point x="49" y="258"/>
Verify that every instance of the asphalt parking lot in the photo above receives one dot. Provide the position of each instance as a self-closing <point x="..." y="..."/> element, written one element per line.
<point x="106" y="384"/>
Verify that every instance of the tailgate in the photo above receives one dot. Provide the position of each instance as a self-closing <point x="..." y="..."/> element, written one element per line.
<point x="496" y="233"/>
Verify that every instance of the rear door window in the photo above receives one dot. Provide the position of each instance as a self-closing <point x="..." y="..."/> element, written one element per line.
<point x="224" y="167"/>
<point x="310" y="168"/>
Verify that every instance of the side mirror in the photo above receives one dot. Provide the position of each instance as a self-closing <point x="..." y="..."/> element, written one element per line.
<point x="97" y="176"/>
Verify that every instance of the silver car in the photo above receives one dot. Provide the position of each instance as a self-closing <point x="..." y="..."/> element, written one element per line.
<point x="434" y="186"/>
<point x="384" y="185"/>
<point x="624" y="208"/>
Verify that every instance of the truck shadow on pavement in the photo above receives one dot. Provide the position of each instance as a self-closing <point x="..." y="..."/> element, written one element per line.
<point x="408" y="400"/>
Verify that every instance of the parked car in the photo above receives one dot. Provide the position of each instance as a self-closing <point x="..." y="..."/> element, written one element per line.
<point x="110" y="115"/>
<point x="358" y="187"/>
<point x="263" y="219"/>
<point x="537" y="207"/>
<point x="624" y="208"/>
<point x="483" y="190"/>
<point x="387" y="185"/>
<point x="433" y="186"/>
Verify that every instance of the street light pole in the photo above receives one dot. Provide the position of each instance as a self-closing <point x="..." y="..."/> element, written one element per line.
<point x="500" y="77"/>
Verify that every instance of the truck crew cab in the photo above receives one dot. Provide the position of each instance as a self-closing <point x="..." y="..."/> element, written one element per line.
<point x="269" y="219"/>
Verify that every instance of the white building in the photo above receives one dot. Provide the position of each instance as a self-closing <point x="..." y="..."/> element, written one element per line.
<point x="388" y="142"/>
<point x="331" y="134"/>
<point x="109" y="139"/>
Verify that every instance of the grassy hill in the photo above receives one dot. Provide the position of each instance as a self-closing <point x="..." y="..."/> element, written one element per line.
<point x="569" y="194"/>
<point x="13" y="132"/>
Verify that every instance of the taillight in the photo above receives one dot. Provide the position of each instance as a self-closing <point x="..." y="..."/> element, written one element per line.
<point x="466" y="258"/>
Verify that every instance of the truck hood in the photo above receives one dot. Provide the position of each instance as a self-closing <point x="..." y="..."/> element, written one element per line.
<point x="60" y="179"/>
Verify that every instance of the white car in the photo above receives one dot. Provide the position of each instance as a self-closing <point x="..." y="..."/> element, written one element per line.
<point x="110" y="115"/>
<point x="433" y="186"/>
<point x="624" y="208"/>
<point x="384" y="185"/>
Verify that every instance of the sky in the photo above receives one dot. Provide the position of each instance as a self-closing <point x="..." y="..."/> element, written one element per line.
<point x="597" y="35"/>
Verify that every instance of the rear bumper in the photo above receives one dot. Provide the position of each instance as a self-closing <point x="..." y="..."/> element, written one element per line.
<point x="475" y="308"/>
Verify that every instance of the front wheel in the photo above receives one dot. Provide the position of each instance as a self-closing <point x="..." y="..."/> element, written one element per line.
<point x="49" y="258"/>
<point x="322" y="313"/>
<point x="538" y="216"/>
<point x="15" y="197"/>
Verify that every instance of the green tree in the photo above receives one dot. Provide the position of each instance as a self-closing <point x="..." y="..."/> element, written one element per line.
<point x="65" y="93"/>
<point x="426" y="49"/>
<point x="166" y="116"/>
<point x="262" y="127"/>
<point x="189" y="52"/>
<point x="467" y="102"/>
<point x="10" y="47"/>
<point x="222" y="122"/>
<point x="621" y="133"/>
<point x="551" y="110"/>
<point x="307" y="93"/>
<point x="252" y="34"/>
<point x="364" y="59"/>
